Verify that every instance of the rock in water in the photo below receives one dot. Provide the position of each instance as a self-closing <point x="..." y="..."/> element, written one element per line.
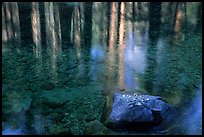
<point x="137" y="110"/>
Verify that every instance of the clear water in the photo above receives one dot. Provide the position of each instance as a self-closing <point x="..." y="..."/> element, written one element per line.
<point x="59" y="86"/>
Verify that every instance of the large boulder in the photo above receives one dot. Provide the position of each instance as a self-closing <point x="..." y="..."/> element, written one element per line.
<point x="131" y="110"/>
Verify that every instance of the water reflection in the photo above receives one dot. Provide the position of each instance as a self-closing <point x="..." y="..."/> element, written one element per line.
<point x="10" y="26"/>
<point x="154" y="32"/>
<point x="121" y="46"/>
<point x="134" y="56"/>
<point x="193" y="121"/>
<point x="101" y="45"/>
<point x="77" y="31"/>
<point x="189" y="120"/>
<point x="112" y="44"/>
<point x="35" y="17"/>
<point x="179" y="15"/>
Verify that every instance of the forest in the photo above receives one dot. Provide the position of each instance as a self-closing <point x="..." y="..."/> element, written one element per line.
<point x="101" y="68"/>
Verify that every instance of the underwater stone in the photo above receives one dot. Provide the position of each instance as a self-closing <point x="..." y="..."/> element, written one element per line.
<point x="131" y="109"/>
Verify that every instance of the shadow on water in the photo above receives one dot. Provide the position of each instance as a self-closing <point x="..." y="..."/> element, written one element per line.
<point x="154" y="32"/>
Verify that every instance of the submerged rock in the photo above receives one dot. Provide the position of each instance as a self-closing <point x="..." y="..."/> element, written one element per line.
<point x="139" y="111"/>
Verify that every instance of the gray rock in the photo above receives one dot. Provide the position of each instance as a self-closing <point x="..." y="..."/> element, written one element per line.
<point x="137" y="109"/>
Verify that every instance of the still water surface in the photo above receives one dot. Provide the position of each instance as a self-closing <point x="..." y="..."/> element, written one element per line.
<point x="81" y="80"/>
